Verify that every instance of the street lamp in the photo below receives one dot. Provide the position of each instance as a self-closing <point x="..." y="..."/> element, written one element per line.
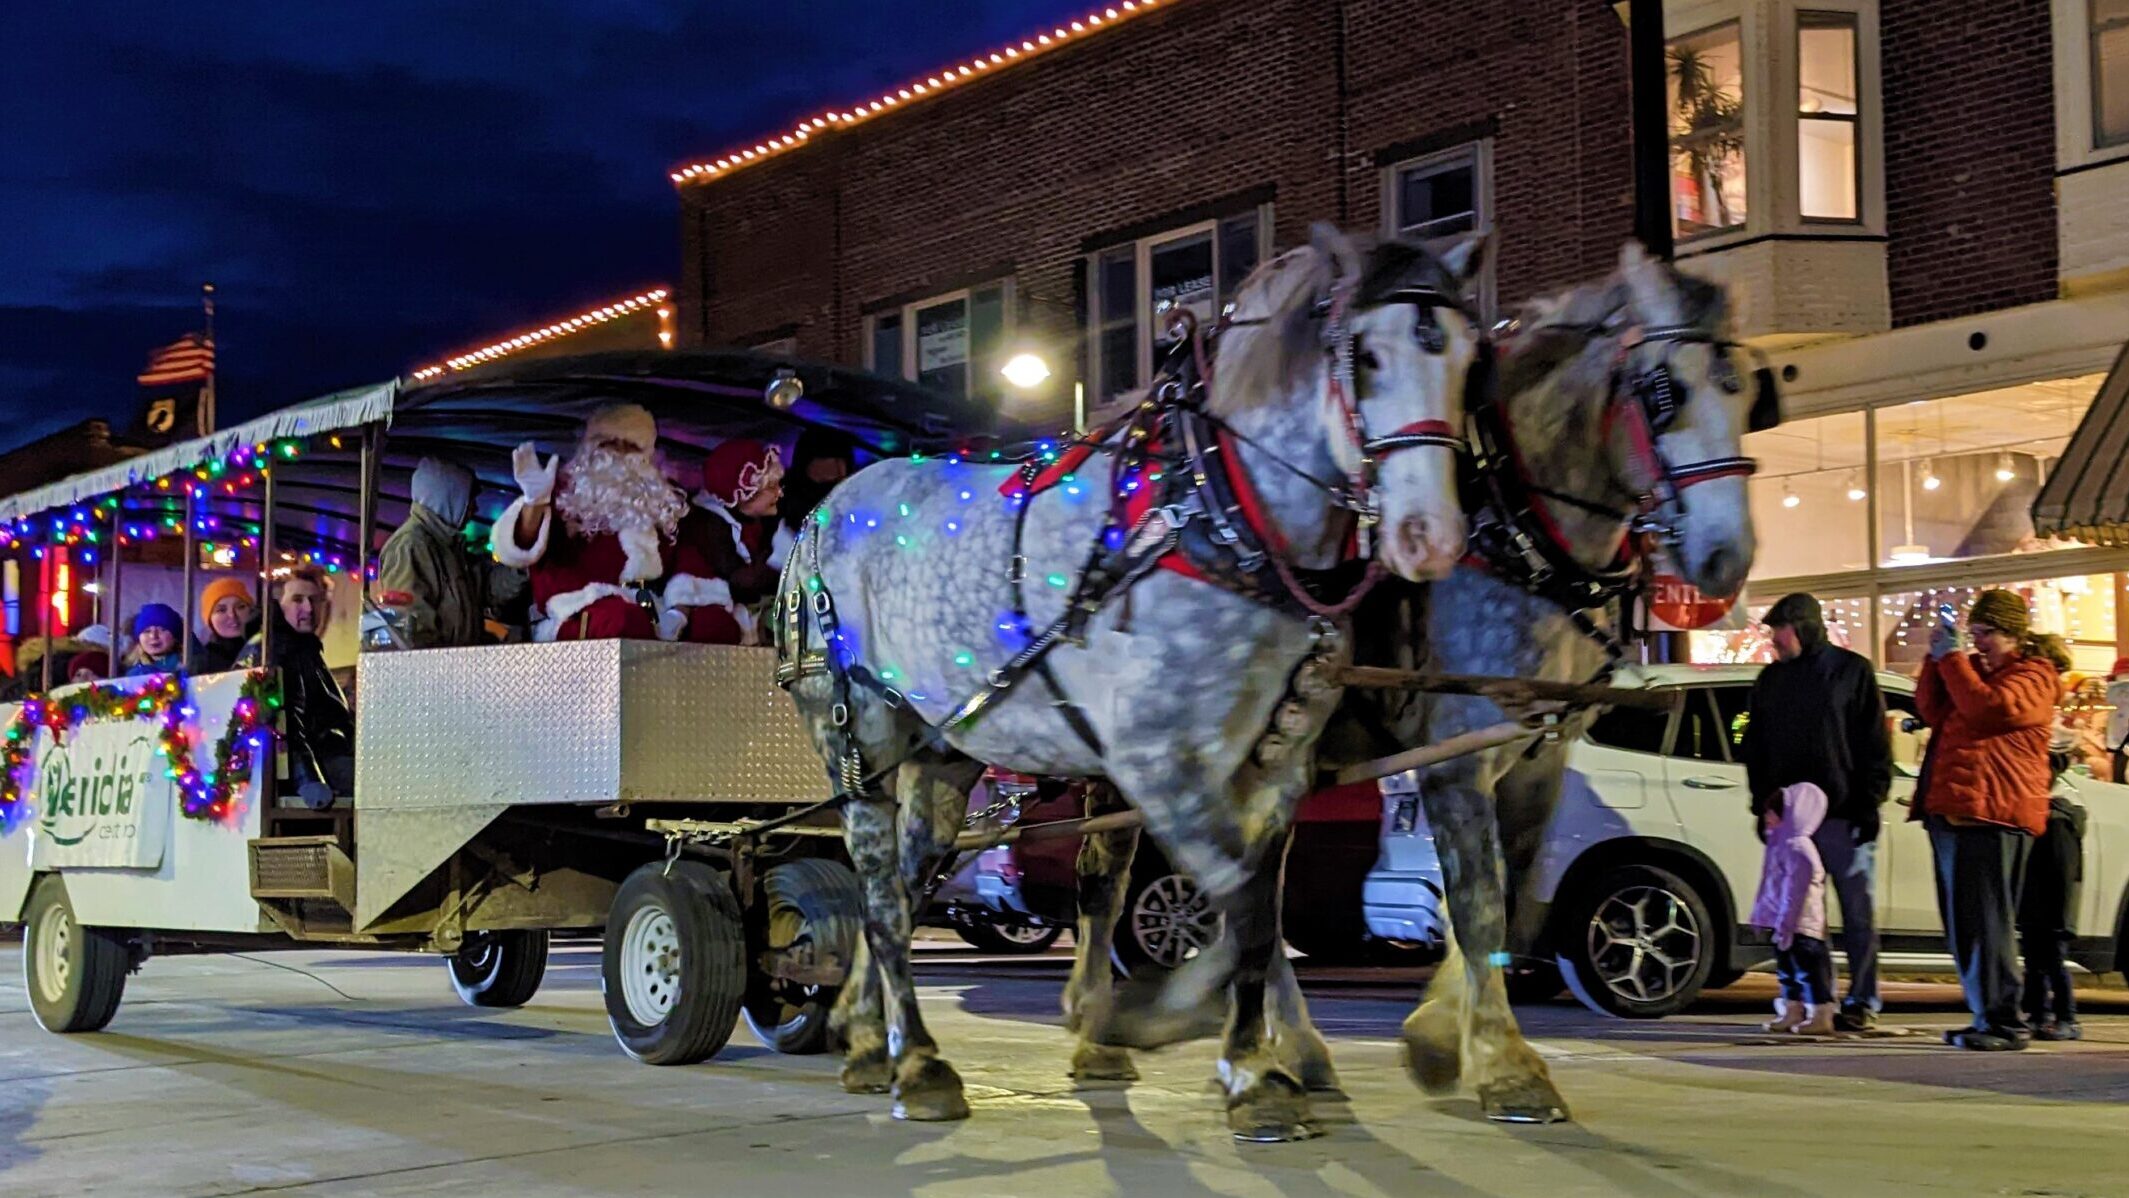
<point x="1027" y="371"/>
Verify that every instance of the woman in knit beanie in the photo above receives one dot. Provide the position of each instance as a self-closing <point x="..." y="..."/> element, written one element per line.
<point x="232" y="617"/>
<point x="1984" y="796"/>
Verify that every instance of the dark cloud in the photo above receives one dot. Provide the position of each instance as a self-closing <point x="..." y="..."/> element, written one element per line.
<point x="371" y="184"/>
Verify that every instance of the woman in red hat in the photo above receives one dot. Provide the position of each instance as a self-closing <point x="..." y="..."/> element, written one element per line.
<point x="721" y="566"/>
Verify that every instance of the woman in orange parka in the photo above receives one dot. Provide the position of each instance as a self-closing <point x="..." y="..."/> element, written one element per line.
<point x="1984" y="797"/>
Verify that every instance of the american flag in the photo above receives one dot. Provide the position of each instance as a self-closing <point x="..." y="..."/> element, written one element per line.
<point x="188" y="359"/>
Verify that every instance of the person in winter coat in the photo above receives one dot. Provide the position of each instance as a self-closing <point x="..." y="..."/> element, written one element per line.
<point x="158" y="640"/>
<point x="88" y="666"/>
<point x="722" y="567"/>
<point x="1983" y="796"/>
<point x="321" y="728"/>
<point x="232" y="618"/>
<point x="1818" y="716"/>
<point x="426" y="576"/>
<point x="1792" y="905"/>
<point x="2047" y="913"/>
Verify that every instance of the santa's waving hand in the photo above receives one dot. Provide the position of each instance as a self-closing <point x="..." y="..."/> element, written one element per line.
<point x="590" y="577"/>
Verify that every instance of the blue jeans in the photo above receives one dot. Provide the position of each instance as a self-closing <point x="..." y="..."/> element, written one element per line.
<point x="1806" y="971"/>
<point x="1853" y="871"/>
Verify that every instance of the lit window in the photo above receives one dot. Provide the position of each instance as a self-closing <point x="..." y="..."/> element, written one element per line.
<point x="1827" y="124"/>
<point x="1199" y="268"/>
<point x="2110" y="72"/>
<point x="951" y="343"/>
<point x="1707" y="104"/>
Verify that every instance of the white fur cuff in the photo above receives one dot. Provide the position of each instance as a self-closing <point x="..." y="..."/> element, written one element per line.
<point x="688" y="590"/>
<point x="507" y="550"/>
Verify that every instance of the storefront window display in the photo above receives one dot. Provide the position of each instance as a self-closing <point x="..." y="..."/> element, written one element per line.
<point x="1810" y="499"/>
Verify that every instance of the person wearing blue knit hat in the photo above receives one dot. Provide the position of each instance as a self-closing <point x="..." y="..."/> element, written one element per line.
<point x="157" y="647"/>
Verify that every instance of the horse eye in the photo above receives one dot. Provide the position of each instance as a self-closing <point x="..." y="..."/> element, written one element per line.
<point x="1724" y="373"/>
<point x="1368" y="361"/>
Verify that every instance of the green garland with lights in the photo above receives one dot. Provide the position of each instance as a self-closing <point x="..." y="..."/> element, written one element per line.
<point x="208" y="795"/>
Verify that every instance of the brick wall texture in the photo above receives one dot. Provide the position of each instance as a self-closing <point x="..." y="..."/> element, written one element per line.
<point x="1969" y="156"/>
<point x="1013" y="175"/>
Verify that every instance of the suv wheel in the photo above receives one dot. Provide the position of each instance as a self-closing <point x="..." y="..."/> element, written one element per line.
<point x="1166" y="919"/>
<point x="1638" y="943"/>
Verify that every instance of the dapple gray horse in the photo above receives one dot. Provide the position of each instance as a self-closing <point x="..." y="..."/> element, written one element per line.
<point x="1177" y="678"/>
<point x="1561" y="389"/>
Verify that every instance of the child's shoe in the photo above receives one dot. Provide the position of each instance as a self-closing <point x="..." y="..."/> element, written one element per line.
<point x="1817" y="1021"/>
<point x="1787" y="1015"/>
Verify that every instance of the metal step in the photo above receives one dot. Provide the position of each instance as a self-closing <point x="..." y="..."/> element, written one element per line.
<point x="302" y="867"/>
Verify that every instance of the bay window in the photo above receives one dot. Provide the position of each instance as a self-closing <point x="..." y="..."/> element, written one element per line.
<point x="1706" y="92"/>
<point x="1828" y="148"/>
<point x="2110" y="72"/>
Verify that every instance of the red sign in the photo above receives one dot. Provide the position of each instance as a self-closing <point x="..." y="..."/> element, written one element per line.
<point x="1680" y="604"/>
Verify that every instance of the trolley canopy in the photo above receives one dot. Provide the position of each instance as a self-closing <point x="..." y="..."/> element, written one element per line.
<point x="477" y="417"/>
<point x="2087" y="495"/>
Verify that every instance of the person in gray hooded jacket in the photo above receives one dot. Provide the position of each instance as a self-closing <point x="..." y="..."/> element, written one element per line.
<point x="427" y="575"/>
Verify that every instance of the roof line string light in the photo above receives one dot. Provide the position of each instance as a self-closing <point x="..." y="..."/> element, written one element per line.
<point x="561" y="328"/>
<point x="919" y="89"/>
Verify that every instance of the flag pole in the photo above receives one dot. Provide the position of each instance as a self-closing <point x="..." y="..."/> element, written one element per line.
<point x="206" y="413"/>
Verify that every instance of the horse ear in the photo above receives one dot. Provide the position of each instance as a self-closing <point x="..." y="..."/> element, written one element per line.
<point x="1648" y="283"/>
<point x="1333" y="243"/>
<point x="1464" y="255"/>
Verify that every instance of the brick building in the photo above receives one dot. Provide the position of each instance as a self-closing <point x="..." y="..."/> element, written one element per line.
<point x="1918" y="206"/>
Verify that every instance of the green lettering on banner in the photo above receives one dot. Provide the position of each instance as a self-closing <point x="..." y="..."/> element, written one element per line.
<point x="126" y="782"/>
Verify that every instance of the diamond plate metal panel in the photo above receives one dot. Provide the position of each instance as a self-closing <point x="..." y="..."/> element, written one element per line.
<point x="579" y="722"/>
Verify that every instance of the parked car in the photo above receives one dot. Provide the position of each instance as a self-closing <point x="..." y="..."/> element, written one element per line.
<point x="1652" y="860"/>
<point x="978" y="901"/>
<point x="1165" y="918"/>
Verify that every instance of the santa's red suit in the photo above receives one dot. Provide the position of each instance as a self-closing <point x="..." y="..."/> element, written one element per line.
<point x="725" y="561"/>
<point x="586" y="585"/>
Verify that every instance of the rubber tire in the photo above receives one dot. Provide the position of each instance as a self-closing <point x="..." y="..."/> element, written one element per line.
<point x="1126" y="954"/>
<point x="811" y="895"/>
<point x="713" y="970"/>
<point x="511" y="974"/>
<point x="1579" y="972"/>
<point x="987" y="938"/>
<point x="1533" y="983"/>
<point x="97" y="963"/>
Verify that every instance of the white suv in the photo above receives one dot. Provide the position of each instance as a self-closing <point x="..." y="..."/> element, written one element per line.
<point x="1652" y="860"/>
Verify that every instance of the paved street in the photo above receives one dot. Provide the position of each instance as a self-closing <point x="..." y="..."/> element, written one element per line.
<point x="316" y="1074"/>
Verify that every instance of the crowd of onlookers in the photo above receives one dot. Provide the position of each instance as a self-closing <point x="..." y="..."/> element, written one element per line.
<point x="2004" y="829"/>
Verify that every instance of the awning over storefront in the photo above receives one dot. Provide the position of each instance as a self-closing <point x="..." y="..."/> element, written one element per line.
<point x="2087" y="495"/>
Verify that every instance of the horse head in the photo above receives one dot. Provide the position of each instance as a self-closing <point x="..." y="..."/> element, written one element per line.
<point x="1687" y="409"/>
<point x="1379" y="334"/>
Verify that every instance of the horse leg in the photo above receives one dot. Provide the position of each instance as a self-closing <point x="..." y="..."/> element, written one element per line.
<point x="1434" y="1032"/>
<point x="933" y="806"/>
<point x="1104" y="867"/>
<point x="1301" y="1047"/>
<point x="1512" y="1081"/>
<point x="1265" y="1102"/>
<point x="859" y="1022"/>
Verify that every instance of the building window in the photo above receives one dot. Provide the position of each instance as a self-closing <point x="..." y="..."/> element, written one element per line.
<point x="952" y="343"/>
<point x="1811" y="497"/>
<point x="1199" y="267"/>
<point x="1707" y="104"/>
<point x="1828" y="145"/>
<point x="2110" y="72"/>
<point x="1442" y="195"/>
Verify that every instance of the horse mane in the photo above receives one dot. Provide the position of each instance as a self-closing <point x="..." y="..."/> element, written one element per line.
<point x="1273" y="341"/>
<point x="1279" y="345"/>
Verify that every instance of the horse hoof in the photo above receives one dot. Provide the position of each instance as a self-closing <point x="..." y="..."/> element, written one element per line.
<point x="1274" y="1110"/>
<point x="1433" y="1051"/>
<point x="928" y="1090"/>
<point x="1526" y="1100"/>
<point x="1102" y="1063"/>
<point x="868" y="1073"/>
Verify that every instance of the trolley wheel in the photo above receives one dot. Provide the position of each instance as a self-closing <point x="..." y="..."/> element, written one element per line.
<point x="674" y="965"/>
<point x="499" y="969"/>
<point x="814" y="899"/>
<point x="75" y="975"/>
<point x="1007" y="937"/>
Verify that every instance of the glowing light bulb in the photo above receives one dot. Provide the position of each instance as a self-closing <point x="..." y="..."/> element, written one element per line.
<point x="1790" y="498"/>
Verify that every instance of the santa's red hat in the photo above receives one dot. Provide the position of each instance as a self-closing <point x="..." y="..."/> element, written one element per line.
<point x="737" y="470"/>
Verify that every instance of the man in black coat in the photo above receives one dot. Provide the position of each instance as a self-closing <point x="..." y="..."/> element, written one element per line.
<point x="1818" y="716"/>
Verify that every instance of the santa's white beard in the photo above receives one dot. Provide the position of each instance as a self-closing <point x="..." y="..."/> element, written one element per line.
<point x="607" y="490"/>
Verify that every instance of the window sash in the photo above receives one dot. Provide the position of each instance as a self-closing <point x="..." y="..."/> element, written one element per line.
<point x="897" y="327"/>
<point x="1849" y="23"/>
<point x="1698" y="134"/>
<point x="1110" y="323"/>
<point x="2115" y="25"/>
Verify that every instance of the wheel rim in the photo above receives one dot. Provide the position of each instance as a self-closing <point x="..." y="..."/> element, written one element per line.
<point x="1171" y="920"/>
<point x="477" y="955"/>
<point x="775" y="1002"/>
<point x="650" y="965"/>
<point x="1644" y="943"/>
<point x="55" y="932"/>
<point x="1020" y="933"/>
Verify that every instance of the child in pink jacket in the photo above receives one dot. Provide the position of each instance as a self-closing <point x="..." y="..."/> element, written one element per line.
<point x="1792" y="905"/>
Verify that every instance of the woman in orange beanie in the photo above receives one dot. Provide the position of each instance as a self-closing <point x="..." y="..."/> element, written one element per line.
<point x="231" y="616"/>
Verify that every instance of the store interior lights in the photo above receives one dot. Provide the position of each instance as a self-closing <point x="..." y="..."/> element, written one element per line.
<point x="1856" y="491"/>
<point x="1930" y="481"/>
<point x="2005" y="472"/>
<point x="1790" y="498"/>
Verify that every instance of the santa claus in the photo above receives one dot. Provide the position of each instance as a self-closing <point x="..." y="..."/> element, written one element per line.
<point x="593" y="576"/>
<point x="726" y="559"/>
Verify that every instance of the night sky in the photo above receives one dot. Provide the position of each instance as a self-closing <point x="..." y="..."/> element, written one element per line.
<point x="371" y="184"/>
